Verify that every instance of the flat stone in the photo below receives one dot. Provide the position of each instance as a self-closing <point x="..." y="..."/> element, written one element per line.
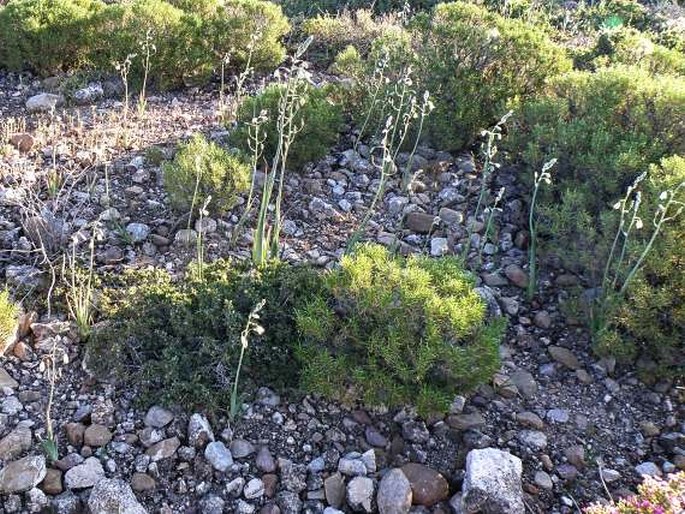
<point x="543" y="480"/>
<point x="15" y="443"/>
<point x="163" y="449"/>
<point x="44" y="102"/>
<point x="558" y="415"/>
<point x="253" y="489"/>
<point x="492" y="483"/>
<point x="22" y="475"/>
<point x="428" y="486"/>
<point x="113" y="496"/>
<point x="360" y="494"/>
<point x="530" y="420"/>
<point x="96" y="436"/>
<point x="265" y="461"/>
<point x="219" y="456"/>
<point x="516" y="275"/>
<point x="334" y="487"/>
<point x="575" y="455"/>
<point x="6" y="380"/>
<point x="649" y="469"/>
<point x="52" y="483"/>
<point x="564" y="356"/>
<point x="240" y="448"/>
<point x="158" y="417"/>
<point x="439" y="246"/>
<point x="567" y="472"/>
<point x="394" y="493"/>
<point x="84" y="475"/>
<point x="199" y="431"/>
<point x="141" y="482"/>
<point x="138" y="231"/>
<point x="420" y="222"/>
<point x="533" y="439"/>
<point x="525" y="383"/>
<point x="542" y="320"/>
<point x="466" y="421"/>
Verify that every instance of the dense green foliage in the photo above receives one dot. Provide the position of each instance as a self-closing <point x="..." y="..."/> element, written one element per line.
<point x="477" y="64"/>
<point x="395" y="331"/>
<point x="308" y="8"/>
<point x="188" y="41"/>
<point x="46" y="35"/>
<point x="201" y="169"/>
<point x="9" y="313"/>
<point x="317" y="121"/>
<point x="180" y="340"/>
<point x="651" y="321"/>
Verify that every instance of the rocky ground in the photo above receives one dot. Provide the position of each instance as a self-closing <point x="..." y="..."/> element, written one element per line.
<point x="551" y="431"/>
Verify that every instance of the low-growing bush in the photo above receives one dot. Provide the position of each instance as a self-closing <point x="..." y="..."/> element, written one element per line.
<point x="631" y="47"/>
<point x="651" y="321"/>
<point x="47" y="36"/>
<point x="9" y="318"/>
<point x="654" y="496"/>
<point x="318" y="118"/>
<point x="333" y="33"/>
<point x="604" y="128"/>
<point x="477" y="64"/>
<point x="392" y="331"/>
<point x="180" y="340"/>
<point x="201" y="169"/>
<point x="308" y="8"/>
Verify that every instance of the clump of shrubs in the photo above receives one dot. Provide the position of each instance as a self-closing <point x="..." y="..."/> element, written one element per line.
<point x="202" y="169"/>
<point x="477" y="64"/>
<point x="9" y="313"/>
<point x="318" y="121"/>
<point x="393" y="331"/>
<point x="47" y="35"/>
<point x="655" y="496"/>
<point x="181" y="339"/>
<point x="189" y="40"/>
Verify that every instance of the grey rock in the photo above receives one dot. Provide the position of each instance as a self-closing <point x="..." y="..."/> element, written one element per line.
<point x="240" y="448"/>
<point x="163" y="449"/>
<point x="267" y="397"/>
<point x="265" y="461"/>
<point x="219" y="456"/>
<point x="254" y="489"/>
<point x="427" y="485"/>
<point x="199" y="431"/>
<point x="293" y="476"/>
<point x="23" y="276"/>
<point x="415" y="431"/>
<point x="36" y="500"/>
<point x="525" y="383"/>
<point x="158" y="417"/>
<point x="488" y="296"/>
<point x="439" y="246"/>
<point x="84" y="475"/>
<point x="351" y="467"/>
<point x="22" y="475"/>
<point x="6" y="379"/>
<point x="564" y="356"/>
<point x="648" y="468"/>
<point x="113" y="496"/>
<point x="533" y="439"/>
<point x="138" y="231"/>
<point x="15" y="443"/>
<point x="89" y="94"/>
<point x="334" y="487"/>
<point x="289" y="502"/>
<point x="543" y="480"/>
<point x="567" y="472"/>
<point x="558" y="415"/>
<point x="66" y="503"/>
<point x="492" y="483"/>
<point x="11" y="405"/>
<point x="44" y="102"/>
<point x="516" y="275"/>
<point x="360" y="494"/>
<point x="420" y="222"/>
<point x="610" y="475"/>
<point x="212" y="504"/>
<point x="394" y="493"/>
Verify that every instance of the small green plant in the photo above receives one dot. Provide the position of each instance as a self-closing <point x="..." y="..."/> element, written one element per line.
<point x="317" y="119"/>
<point x="9" y="318"/>
<point x="489" y="151"/>
<point x="654" y="496"/>
<point x="79" y="291"/>
<point x="202" y="168"/>
<point x="252" y="326"/>
<point x="392" y="331"/>
<point x="148" y="49"/>
<point x="543" y="177"/>
<point x="50" y="366"/>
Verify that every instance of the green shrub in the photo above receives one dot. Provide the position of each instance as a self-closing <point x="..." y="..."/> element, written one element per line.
<point x="120" y="29"/>
<point x="46" y="36"/>
<point x="651" y="322"/>
<point x="200" y="169"/>
<point x="9" y="317"/>
<point x="333" y="33"/>
<point x="631" y="47"/>
<point x="308" y="8"/>
<point x="179" y="341"/>
<point x="391" y="332"/>
<point x="319" y="118"/>
<point x="604" y="128"/>
<point x="477" y="64"/>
